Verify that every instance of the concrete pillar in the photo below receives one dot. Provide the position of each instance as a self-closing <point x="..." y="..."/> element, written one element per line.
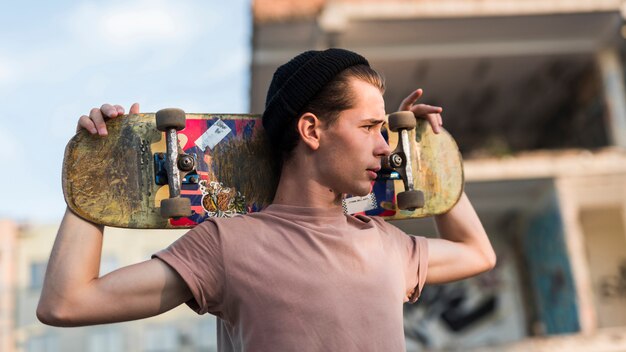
<point x="8" y="237"/>
<point x="612" y="75"/>
<point x="575" y="242"/>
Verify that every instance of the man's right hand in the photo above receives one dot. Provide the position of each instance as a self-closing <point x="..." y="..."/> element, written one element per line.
<point x="95" y="123"/>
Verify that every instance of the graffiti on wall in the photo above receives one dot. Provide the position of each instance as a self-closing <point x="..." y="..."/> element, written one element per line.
<point x="614" y="286"/>
<point x="445" y="314"/>
<point x="549" y="270"/>
<point x="451" y="305"/>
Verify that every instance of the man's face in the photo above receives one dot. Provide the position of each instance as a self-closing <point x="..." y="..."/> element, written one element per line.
<point x="351" y="148"/>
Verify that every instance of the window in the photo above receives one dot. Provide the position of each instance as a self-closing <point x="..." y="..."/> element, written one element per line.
<point x="205" y="337"/>
<point x="160" y="339"/>
<point x="105" y="340"/>
<point x="108" y="264"/>
<point x="43" y="343"/>
<point x="37" y="273"/>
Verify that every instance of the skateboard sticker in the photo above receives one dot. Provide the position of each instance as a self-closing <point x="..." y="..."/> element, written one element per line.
<point x="220" y="201"/>
<point x="213" y="135"/>
<point x="356" y="204"/>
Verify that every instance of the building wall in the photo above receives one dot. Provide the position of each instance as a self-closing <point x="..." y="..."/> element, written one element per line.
<point x="8" y="239"/>
<point x="605" y="238"/>
<point x="594" y="207"/>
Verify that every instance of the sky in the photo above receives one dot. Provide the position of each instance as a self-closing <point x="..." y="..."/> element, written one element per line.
<point x="59" y="59"/>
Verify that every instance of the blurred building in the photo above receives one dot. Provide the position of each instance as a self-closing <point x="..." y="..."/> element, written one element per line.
<point x="533" y="91"/>
<point x="8" y="237"/>
<point x="24" y="252"/>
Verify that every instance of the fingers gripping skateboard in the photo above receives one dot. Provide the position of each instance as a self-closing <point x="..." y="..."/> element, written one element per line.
<point x="170" y="121"/>
<point x="400" y="160"/>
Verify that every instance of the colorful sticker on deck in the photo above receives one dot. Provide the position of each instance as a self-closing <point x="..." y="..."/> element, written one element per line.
<point x="220" y="201"/>
<point x="356" y="204"/>
<point x="213" y="135"/>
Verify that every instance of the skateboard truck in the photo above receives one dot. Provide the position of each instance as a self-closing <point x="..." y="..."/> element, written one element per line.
<point x="186" y="163"/>
<point x="400" y="160"/>
<point x="170" y="121"/>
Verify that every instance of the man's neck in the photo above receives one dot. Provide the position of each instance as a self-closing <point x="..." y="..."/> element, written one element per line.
<point x="297" y="186"/>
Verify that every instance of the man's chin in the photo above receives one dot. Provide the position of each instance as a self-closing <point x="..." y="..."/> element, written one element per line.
<point x="362" y="192"/>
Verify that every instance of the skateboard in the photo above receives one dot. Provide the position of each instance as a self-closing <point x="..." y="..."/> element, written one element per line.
<point x="175" y="170"/>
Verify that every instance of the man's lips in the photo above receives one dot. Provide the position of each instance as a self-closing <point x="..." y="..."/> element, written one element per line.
<point x="373" y="172"/>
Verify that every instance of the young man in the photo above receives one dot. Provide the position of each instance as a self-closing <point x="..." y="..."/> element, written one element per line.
<point x="299" y="275"/>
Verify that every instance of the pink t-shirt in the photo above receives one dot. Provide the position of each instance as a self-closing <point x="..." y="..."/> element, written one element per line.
<point x="293" y="278"/>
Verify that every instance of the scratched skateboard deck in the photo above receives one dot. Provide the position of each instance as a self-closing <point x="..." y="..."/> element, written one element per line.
<point x="118" y="180"/>
<point x="112" y="180"/>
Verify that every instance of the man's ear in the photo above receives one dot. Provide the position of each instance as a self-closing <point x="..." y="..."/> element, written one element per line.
<point x="309" y="129"/>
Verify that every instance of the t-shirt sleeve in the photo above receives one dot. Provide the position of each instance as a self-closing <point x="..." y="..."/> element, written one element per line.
<point x="417" y="265"/>
<point x="413" y="252"/>
<point x="197" y="258"/>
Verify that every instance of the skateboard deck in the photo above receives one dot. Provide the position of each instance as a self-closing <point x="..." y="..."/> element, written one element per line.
<point x="120" y="180"/>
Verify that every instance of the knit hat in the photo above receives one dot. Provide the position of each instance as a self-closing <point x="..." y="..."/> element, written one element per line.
<point x="295" y="83"/>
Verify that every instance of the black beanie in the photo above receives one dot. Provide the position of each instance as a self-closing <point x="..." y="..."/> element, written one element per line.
<point x="295" y="83"/>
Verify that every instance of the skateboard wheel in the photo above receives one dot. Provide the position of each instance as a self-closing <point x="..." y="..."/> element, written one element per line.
<point x="401" y="120"/>
<point x="170" y="118"/>
<point x="175" y="207"/>
<point x="410" y="200"/>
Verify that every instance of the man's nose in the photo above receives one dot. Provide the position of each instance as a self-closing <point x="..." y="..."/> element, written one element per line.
<point x="382" y="147"/>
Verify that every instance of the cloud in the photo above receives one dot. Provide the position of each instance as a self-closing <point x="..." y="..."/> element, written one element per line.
<point x="92" y="36"/>
<point x="128" y="25"/>
<point x="5" y="71"/>
<point x="9" y="71"/>
<point x="226" y="66"/>
<point x="10" y="147"/>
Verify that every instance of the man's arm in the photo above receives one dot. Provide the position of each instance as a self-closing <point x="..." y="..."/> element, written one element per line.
<point x="464" y="249"/>
<point x="73" y="293"/>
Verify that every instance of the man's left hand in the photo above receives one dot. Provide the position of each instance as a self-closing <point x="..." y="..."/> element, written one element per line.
<point x="423" y="111"/>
